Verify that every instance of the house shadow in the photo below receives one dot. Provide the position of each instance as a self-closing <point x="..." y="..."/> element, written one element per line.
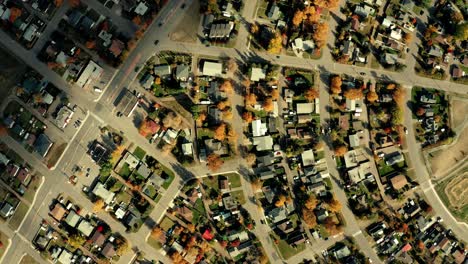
<point x="185" y="101"/>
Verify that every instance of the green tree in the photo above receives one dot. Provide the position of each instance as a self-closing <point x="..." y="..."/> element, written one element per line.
<point x="76" y="240"/>
<point x="461" y="32"/>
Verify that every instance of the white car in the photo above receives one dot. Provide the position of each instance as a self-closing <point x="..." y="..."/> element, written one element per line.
<point x="97" y="90"/>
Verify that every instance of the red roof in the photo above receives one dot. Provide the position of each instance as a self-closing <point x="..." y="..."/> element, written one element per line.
<point x="406" y="248"/>
<point x="117" y="47"/>
<point x="208" y="235"/>
<point x="152" y="126"/>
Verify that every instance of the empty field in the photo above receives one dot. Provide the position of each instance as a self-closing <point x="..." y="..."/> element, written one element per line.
<point x="444" y="160"/>
<point x="459" y="110"/>
<point x="454" y="194"/>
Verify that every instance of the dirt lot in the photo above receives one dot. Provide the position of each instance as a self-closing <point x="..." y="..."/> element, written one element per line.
<point x="457" y="191"/>
<point x="444" y="160"/>
<point x="454" y="194"/>
<point x="459" y="110"/>
<point x="187" y="29"/>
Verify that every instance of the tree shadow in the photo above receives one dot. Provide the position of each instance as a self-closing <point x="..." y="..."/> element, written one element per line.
<point x="185" y="101"/>
<point x="137" y="119"/>
<point x="184" y="173"/>
<point x="150" y="223"/>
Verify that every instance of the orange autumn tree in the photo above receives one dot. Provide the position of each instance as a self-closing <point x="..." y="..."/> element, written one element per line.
<point x="298" y="17"/>
<point x="372" y="96"/>
<point x="311" y="94"/>
<point x="14" y="14"/>
<point x="247" y="117"/>
<point x="214" y="162"/>
<point x="250" y="99"/>
<point x="309" y="218"/>
<point x="353" y="94"/>
<point x="320" y="35"/>
<point x="227" y="87"/>
<point x="335" y="85"/>
<point x="268" y="105"/>
<point x="340" y="151"/>
<point x="274" y="94"/>
<point x="74" y="3"/>
<point x="90" y="44"/>
<point x="220" y="132"/>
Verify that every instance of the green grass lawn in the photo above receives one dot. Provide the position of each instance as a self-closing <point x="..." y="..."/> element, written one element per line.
<point x="239" y="196"/>
<point x="211" y="182"/>
<point x="19" y="215"/>
<point x="125" y="171"/>
<point x="204" y="132"/>
<point x="328" y="182"/>
<point x="5" y="242"/>
<point x="168" y="182"/>
<point x="154" y="243"/>
<point x="150" y="191"/>
<point x="234" y="179"/>
<point x="32" y="188"/>
<point x="384" y="169"/>
<point x="123" y="196"/>
<point x="166" y="224"/>
<point x="285" y="249"/>
<point x="139" y="153"/>
<point x="198" y="211"/>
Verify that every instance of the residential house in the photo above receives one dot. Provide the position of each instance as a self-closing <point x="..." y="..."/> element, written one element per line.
<point x="257" y="74"/>
<point x="361" y="172"/>
<point x="341" y="252"/>
<point x="85" y="228"/>
<point x="100" y="191"/>
<point x="394" y="158"/>
<point x="162" y="70"/>
<point x="435" y="51"/>
<point x="72" y="218"/>
<point x="64" y="116"/>
<point x="354" y="157"/>
<point x="274" y="12"/>
<point x="185" y="213"/>
<point x="215" y="146"/>
<point x="364" y="11"/>
<point x="258" y="128"/>
<point x="147" y="81"/>
<point x="221" y="30"/>
<point x="321" y="214"/>
<point x="263" y="143"/>
<point x="4" y="159"/>
<point x="98" y="239"/>
<point x="24" y="176"/>
<point x="457" y="72"/>
<point x="223" y="185"/>
<point x="144" y="171"/>
<point x="398" y="182"/>
<point x="307" y="158"/>
<point x="187" y="149"/>
<point x="42" y="145"/>
<point x="108" y="251"/>
<point x="116" y="48"/>
<point x="12" y="169"/>
<point x="213" y="69"/>
<point x="7" y="210"/>
<point x="58" y="212"/>
<point x="354" y="141"/>
<point x="277" y="214"/>
<point x="90" y="73"/>
<point x="182" y="72"/>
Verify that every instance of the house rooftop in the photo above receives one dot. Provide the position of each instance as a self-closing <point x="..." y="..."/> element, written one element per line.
<point x="257" y="74"/>
<point x="58" y="212"/>
<point x="398" y="181"/>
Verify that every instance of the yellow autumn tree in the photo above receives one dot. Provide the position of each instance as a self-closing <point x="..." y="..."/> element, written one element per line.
<point x="275" y="46"/>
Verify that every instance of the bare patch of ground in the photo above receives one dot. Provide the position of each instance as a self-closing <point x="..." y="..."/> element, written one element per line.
<point x="444" y="160"/>
<point x="457" y="191"/>
<point x="187" y="29"/>
<point x="459" y="110"/>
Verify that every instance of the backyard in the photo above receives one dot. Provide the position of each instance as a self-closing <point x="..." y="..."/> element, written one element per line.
<point x="284" y="248"/>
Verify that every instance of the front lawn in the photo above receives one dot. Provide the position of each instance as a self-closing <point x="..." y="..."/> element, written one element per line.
<point x="154" y="243"/>
<point x="239" y="196"/>
<point x="18" y="217"/>
<point x="285" y="249"/>
<point x="198" y="211"/>
<point x="166" y="224"/>
<point x="234" y="179"/>
<point x="125" y="171"/>
<point x="5" y="242"/>
<point x="139" y="153"/>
